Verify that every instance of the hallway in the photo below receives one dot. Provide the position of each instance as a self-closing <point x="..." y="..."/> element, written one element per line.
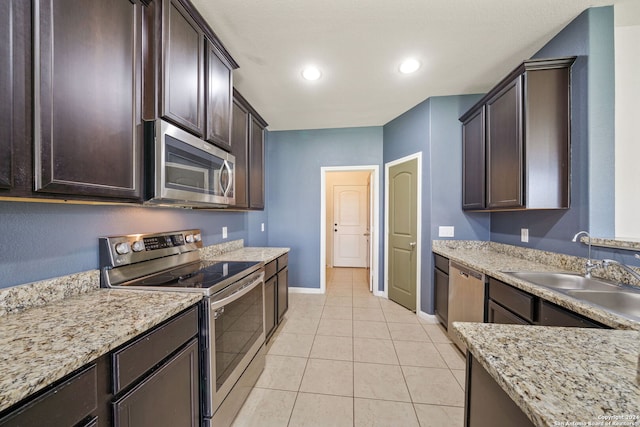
<point x="349" y="358"/>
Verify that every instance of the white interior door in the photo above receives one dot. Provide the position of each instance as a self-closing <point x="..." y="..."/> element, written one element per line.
<point x="350" y="242"/>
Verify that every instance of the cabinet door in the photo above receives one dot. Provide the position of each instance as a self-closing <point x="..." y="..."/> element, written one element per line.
<point x="441" y="296"/>
<point x="499" y="314"/>
<point x="256" y="165"/>
<point x="283" y="292"/>
<point x="182" y="99"/>
<point x="88" y="129"/>
<point x="15" y="74"/>
<point x="270" y="320"/>
<point x="504" y="147"/>
<point x="473" y="162"/>
<point x="240" y="149"/>
<point x="169" y="397"/>
<point x="67" y="404"/>
<point x="553" y="315"/>
<point x="486" y="403"/>
<point x="219" y="88"/>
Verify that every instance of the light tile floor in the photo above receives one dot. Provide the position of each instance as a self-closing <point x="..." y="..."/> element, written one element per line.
<point x="349" y="358"/>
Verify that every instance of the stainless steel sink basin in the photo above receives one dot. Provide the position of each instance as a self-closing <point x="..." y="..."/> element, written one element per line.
<point x="622" y="302"/>
<point x="564" y="281"/>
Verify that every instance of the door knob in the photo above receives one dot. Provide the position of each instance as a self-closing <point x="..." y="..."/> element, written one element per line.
<point x="366" y="234"/>
<point x="412" y="244"/>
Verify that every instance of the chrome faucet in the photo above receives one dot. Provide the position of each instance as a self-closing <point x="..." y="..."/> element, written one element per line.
<point x="589" y="265"/>
<point x="609" y="262"/>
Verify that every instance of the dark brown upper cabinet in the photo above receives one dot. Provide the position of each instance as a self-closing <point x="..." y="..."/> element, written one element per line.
<point x="193" y="71"/>
<point x="219" y="95"/>
<point x="504" y="147"/>
<point x="182" y="78"/>
<point x="15" y="93"/>
<point x="516" y="140"/>
<point x="87" y="98"/>
<point x="240" y="141"/>
<point x="248" y="147"/>
<point x="473" y="161"/>
<point x="256" y="163"/>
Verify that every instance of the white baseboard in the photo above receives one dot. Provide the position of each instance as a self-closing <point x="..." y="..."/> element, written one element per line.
<point x="431" y="318"/>
<point x="379" y="294"/>
<point x="297" y="290"/>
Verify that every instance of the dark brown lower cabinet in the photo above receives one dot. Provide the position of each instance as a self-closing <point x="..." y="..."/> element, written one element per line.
<point x="152" y="380"/>
<point x="73" y="401"/>
<point x="499" y="314"/>
<point x="486" y="404"/>
<point x="168" y="397"/>
<point x="554" y="315"/>
<point x="510" y="305"/>
<point x="441" y="288"/>
<point x="270" y="298"/>
<point x="276" y="288"/>
<point x="283" y="292"/>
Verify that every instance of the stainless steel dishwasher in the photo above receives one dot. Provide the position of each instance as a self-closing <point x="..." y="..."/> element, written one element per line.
<point x="466" y="299"/>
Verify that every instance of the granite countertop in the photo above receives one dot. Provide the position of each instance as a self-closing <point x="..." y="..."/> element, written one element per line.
<point x="250" y="254"/>
<point x="50" y="328"/>
<point x="40" y="345"/>
<point x="493" y="259"/>
<point x="561" y="376"/>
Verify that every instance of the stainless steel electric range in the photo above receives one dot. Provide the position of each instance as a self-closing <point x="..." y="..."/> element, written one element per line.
<point x="232" y="312"/>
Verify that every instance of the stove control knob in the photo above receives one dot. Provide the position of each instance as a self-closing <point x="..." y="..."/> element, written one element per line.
<point x="197" y="237"/>
<point x="137" y="246"/>
<point x="122" y="248"/>
<point x="189" y="238"/>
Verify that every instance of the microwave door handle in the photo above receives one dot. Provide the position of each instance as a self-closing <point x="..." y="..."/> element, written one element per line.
<point x="226" y="166"/>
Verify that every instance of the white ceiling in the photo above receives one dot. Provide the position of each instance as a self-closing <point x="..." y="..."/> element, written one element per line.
<point x="465" y="46"/>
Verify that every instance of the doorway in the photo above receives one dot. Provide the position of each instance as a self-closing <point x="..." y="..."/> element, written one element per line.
<point x="403" y="231"/>
<point x="349" y="221"/>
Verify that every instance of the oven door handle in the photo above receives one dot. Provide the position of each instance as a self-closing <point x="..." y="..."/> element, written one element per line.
<point x="238" y="293"/>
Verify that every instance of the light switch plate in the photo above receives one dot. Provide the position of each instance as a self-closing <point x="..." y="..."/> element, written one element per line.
<point x="446" y="231"/>
<point x="524" y="235"/>
<point x="262" y="227"/>
<point x="224" y="232"/>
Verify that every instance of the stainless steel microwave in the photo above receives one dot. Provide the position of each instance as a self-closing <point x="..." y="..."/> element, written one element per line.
<point x="183" y="170"/>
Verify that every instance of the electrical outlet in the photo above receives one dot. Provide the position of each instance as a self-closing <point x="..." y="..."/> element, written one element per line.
<point x="524" y="235"/>
<point x="446" y="231"/>
<point x="224" y="232"/>
<point x="262" y="227"/>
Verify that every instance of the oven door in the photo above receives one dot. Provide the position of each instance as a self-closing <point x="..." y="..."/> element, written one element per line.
<point x="187" y="171"/>
<point x="235" y="318"/>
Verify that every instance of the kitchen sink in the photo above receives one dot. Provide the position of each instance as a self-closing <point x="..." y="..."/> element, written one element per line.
<point x="564" y="281"/>
<point x="626" y="303"/>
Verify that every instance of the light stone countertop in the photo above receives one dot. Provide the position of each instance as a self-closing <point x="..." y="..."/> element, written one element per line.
<point x="40" y="345"/>
<point x="250" y="254"/>
<point x="559" y="376"/>
<point x="50" y="328"/>
<point x="493" y="259"/>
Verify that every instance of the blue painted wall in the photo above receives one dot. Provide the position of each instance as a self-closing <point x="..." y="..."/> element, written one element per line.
<point x="590" y="37"/>
<point x="294" y="159"/>
<point x="44" y="240"/>
<point x="432" y="128"/>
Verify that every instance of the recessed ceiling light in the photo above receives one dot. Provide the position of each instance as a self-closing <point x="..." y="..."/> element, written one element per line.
<point x="409" y="65"/>
<point x="311" y="73"/>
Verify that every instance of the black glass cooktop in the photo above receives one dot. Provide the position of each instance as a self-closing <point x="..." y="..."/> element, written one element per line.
<point x="198" y="275"/>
